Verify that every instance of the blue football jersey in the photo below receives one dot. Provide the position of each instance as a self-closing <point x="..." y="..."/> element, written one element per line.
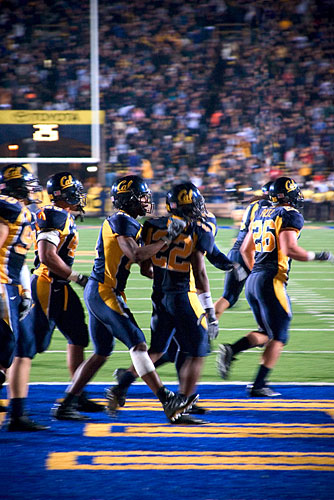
<point x="172" y="267"/>
<point x="19" y="220"/>
<point x="266" y="227"/>
<point x="111" y="266"/>
<point x="60" y="221"/>
<point x="247" y="218"/>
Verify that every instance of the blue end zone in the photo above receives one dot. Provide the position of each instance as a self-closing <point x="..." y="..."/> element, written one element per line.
<point x="250" y="449"/>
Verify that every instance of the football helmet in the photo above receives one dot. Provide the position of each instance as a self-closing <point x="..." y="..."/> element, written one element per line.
<point x="185" y="200"/>
<point x="286" y="190"/>
<point x="65" y="187"/>
<point x="132" y="195"/>
<point x="265" y="189"/>
<point x="17" y="181"/>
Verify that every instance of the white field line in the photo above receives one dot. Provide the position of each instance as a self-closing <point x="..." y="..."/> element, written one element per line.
<point x="256" y="351"/>
<point x="316" y="313"/>
<point x="176" y="383"/>
<point x="314" y="303"/>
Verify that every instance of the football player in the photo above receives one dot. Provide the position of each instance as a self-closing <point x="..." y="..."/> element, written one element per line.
<point x="109" y="316"/>
<point x="56" y="302"/>
<point x="177" y="312"/>
<point x="234" y="284"/>
<point x="174" y="354"/>
<point x="270" y="245"/>
<point x="17" y="186"/>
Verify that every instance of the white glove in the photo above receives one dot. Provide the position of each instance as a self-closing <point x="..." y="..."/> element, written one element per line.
<point x="239" y="272"/>
<point x="25" y="305"/>
<point x="3" y="307"/>
<point x="175" y="227"/>
<point x="213" y="325"/>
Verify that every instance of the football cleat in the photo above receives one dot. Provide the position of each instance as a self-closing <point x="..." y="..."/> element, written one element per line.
<point x="118" y="374"/>
<point x="224" y="360"/>
<point x="115" y="398"/>
<point x="186" y="419"/>
<point x="24" y="424"/>
<point x="197" y="410"/>
<point x="262" y="392"/>
<point x="67" y="412"/>
<point x="177" y="404"/>
<point x="86" y="405"/>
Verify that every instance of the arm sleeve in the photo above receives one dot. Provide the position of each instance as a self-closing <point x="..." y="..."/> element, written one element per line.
<point x="25" y="278"/>
<point x="218" y="259"/>
<point x="52" y="236"/>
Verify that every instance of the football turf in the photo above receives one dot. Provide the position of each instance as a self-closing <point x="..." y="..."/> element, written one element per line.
<point x="308" y="357"/>
<point x="249" y="449"/>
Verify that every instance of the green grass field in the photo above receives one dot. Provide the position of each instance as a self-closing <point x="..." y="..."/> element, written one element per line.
<point x="308" y="357"/>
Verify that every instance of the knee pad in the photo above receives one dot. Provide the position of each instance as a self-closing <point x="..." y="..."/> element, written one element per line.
<point x="141" y="361"/>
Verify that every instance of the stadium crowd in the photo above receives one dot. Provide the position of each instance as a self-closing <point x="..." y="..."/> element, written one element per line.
<point x="222" y="93"/>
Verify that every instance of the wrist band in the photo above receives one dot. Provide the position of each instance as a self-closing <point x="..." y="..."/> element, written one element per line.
<point x="206" y="300"/>
<point x="310" y="255"/>
<point x="73" y="276"/>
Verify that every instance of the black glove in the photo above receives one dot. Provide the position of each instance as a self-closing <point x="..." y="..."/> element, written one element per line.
<point x="25" y="306"/>
<point x="82" y="280"/>
<point x="324" y="256"/>
<point x="175" y="227"/>
<point x="213" y="325"/>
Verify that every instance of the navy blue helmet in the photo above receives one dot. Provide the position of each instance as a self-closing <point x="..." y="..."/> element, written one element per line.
<point x="63" y="186"/>
<point x="185" y="200"/>
<point x="132" y="195"/>
<point x="17" y="181"/>
<point x="286" y="190"/>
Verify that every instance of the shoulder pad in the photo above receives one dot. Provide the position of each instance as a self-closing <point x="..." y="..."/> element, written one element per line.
<point x="51" y="217"/>
<point x="10" y="208"/>
<point x="124" y="225"/>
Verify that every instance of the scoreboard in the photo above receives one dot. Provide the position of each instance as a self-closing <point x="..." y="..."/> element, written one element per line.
<point x="47" y="136"/>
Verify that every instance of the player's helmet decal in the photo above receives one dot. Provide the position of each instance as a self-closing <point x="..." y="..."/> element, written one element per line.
<point x="132" y="195"/>
<point x="19" y="182"/>
<point x="185" y="200"/>
<point x="286" y="190"/>
<point x="65" y="187"/>
<point x="290" y="185"/>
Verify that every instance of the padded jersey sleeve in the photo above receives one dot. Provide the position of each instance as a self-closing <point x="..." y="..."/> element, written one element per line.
<point x="51" y="218"/>
<point x="10" y="209"/>
<point x="211" y="221"/>
<point x="124" y="225"/>
<point x="205" y="239"/>
<point x="218" y="259"/>
<point x="292" y="219"/>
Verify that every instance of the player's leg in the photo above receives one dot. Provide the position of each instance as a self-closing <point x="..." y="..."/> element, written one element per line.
<point x="232" y="287"/>
<point x="191" y="335"/>
<point x="7" y="336"/>
<point x="103" y="342"/>
<point x="276" y="315"/>
<point x="19" y="373"/>
<point x="71" y="322"/>
<point x="227" y="352"/>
